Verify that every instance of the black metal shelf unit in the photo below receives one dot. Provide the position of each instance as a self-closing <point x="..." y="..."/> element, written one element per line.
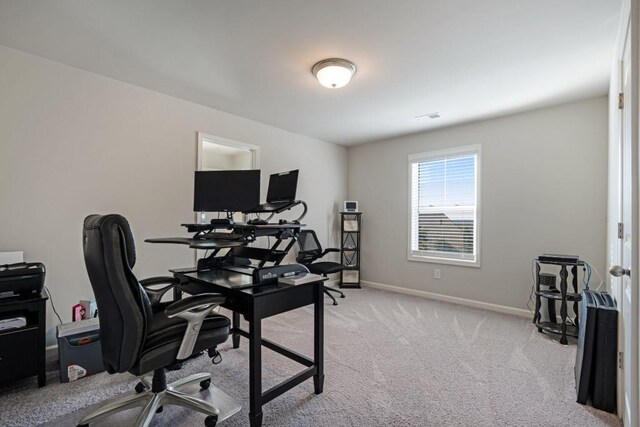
<point x="350" y="230"/>
<point x="566" y="326"/>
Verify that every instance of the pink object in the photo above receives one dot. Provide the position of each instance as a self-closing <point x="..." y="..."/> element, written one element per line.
<point x="77" y="312"/>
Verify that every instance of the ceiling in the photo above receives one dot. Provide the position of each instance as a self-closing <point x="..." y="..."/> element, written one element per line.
<point x="465" y="59"/>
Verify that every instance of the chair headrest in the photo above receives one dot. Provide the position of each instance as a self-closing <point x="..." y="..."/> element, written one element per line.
<point x="102" y="222"/>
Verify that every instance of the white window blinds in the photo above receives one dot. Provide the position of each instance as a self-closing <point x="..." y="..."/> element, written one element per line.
<point x="444" y="205"/>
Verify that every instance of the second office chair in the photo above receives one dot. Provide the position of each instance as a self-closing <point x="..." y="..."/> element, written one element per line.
<point x="310" y="251"/>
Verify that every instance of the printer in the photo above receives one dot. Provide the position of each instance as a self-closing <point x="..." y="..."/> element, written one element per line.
<point x="23" y="278"/>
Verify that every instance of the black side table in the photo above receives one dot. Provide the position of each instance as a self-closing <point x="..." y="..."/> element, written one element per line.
<point x="563" y="327"/>
<point x="22" y="350"/>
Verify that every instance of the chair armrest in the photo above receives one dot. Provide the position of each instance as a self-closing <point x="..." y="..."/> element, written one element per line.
<point x="307" y="257"/>
<point x="328" y="250"/>
<point x="194" y="310"/>
<point x="193" y="303"/>
<point x="158" y="280"/>
<point x="155" y="295"/>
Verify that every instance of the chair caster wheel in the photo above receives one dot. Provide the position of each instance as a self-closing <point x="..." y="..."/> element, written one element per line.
<point x="82" y="425"/>
<point x="215" y="356"/>
<point x="204" y="384"/>
<point x="140" y="387"/>
<point x="342" y="296"/>
<point x="335" y="303"/>
<point x="160" y="409"/>
<point x="211" y="421"/>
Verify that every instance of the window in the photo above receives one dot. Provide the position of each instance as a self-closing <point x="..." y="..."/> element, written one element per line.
<point x="444" y="189"/>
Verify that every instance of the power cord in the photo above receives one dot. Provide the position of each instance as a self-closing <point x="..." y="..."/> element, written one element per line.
<point x="600" y="277"/>
<point x="590" y="269"/>
<point x="52" y="305"/>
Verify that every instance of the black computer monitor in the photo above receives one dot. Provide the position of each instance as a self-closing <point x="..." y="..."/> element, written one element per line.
<point x="226" y="191"/>
<point x="282" y="187"/>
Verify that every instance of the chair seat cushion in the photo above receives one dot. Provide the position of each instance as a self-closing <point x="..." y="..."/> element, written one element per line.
<point x="163" y="340"/>
<point x="325" y="267"/>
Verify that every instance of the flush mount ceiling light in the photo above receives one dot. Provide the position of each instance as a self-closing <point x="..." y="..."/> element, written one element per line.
<point x="334" y="72"/>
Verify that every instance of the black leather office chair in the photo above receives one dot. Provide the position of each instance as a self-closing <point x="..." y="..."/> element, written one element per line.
<point x="137" y="337"/>
<point x="310" y="251"/>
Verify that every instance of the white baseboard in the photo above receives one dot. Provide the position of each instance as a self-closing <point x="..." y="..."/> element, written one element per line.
<point x="51" y="354"/>
<point x="446" y="298"/>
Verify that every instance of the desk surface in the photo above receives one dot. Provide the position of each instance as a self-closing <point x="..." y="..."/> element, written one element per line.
<point x="197" y="243"/>
<point x="234" y="281"/>
<point x="275" y="225"/>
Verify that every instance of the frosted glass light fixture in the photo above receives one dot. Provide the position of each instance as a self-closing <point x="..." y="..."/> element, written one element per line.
<point x="334" y="72"/>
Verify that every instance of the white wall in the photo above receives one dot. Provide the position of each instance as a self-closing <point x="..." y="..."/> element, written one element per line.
<point x="544" y="182"/>
<point x="74" y="143"/>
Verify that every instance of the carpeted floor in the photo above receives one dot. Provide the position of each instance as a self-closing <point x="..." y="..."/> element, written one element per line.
<point x="390" y="359"/>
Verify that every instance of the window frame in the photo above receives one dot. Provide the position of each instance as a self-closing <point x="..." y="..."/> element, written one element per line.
<point x="437" y="155"/>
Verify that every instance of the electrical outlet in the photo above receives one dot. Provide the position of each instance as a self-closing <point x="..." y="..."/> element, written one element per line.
<point x="436" y="273"/>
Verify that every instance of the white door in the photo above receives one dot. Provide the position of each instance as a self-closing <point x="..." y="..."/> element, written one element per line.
<point x="628" y="268"/>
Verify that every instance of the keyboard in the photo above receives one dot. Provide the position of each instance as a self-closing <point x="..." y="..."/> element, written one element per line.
<point x="219" y="236"/>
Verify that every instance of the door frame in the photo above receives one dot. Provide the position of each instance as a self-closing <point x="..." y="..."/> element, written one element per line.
<point x="629" y="23"/>
<point x="202" y="137"/>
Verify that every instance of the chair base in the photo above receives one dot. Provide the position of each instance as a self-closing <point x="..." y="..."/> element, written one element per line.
<point x="327" y="289"/>
<point x="154" y="400"/>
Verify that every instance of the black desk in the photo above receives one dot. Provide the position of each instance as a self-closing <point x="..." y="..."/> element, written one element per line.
<point x="257" y="303"/>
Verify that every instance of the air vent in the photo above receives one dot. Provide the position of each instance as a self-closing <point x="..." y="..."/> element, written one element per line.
<point x="435" y="115"/>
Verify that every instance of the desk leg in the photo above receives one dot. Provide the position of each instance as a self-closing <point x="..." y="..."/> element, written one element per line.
<point x="235" y="338"/>
<point x="255" y="371"/>
<point x="177" y="290"/>
<point x="318" y="341"/>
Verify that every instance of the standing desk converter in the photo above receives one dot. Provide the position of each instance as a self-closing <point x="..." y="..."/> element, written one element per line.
<point x="256" y="303"/>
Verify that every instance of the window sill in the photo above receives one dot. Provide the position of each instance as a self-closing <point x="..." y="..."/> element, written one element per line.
<point x="447" y="261"/>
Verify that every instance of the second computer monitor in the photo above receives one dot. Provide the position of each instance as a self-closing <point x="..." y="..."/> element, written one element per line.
<point x="226" y="191"/>
<point x="282" y="187"/>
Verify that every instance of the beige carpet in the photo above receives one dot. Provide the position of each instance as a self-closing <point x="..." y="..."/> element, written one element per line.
<point x="390" y="359"/>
